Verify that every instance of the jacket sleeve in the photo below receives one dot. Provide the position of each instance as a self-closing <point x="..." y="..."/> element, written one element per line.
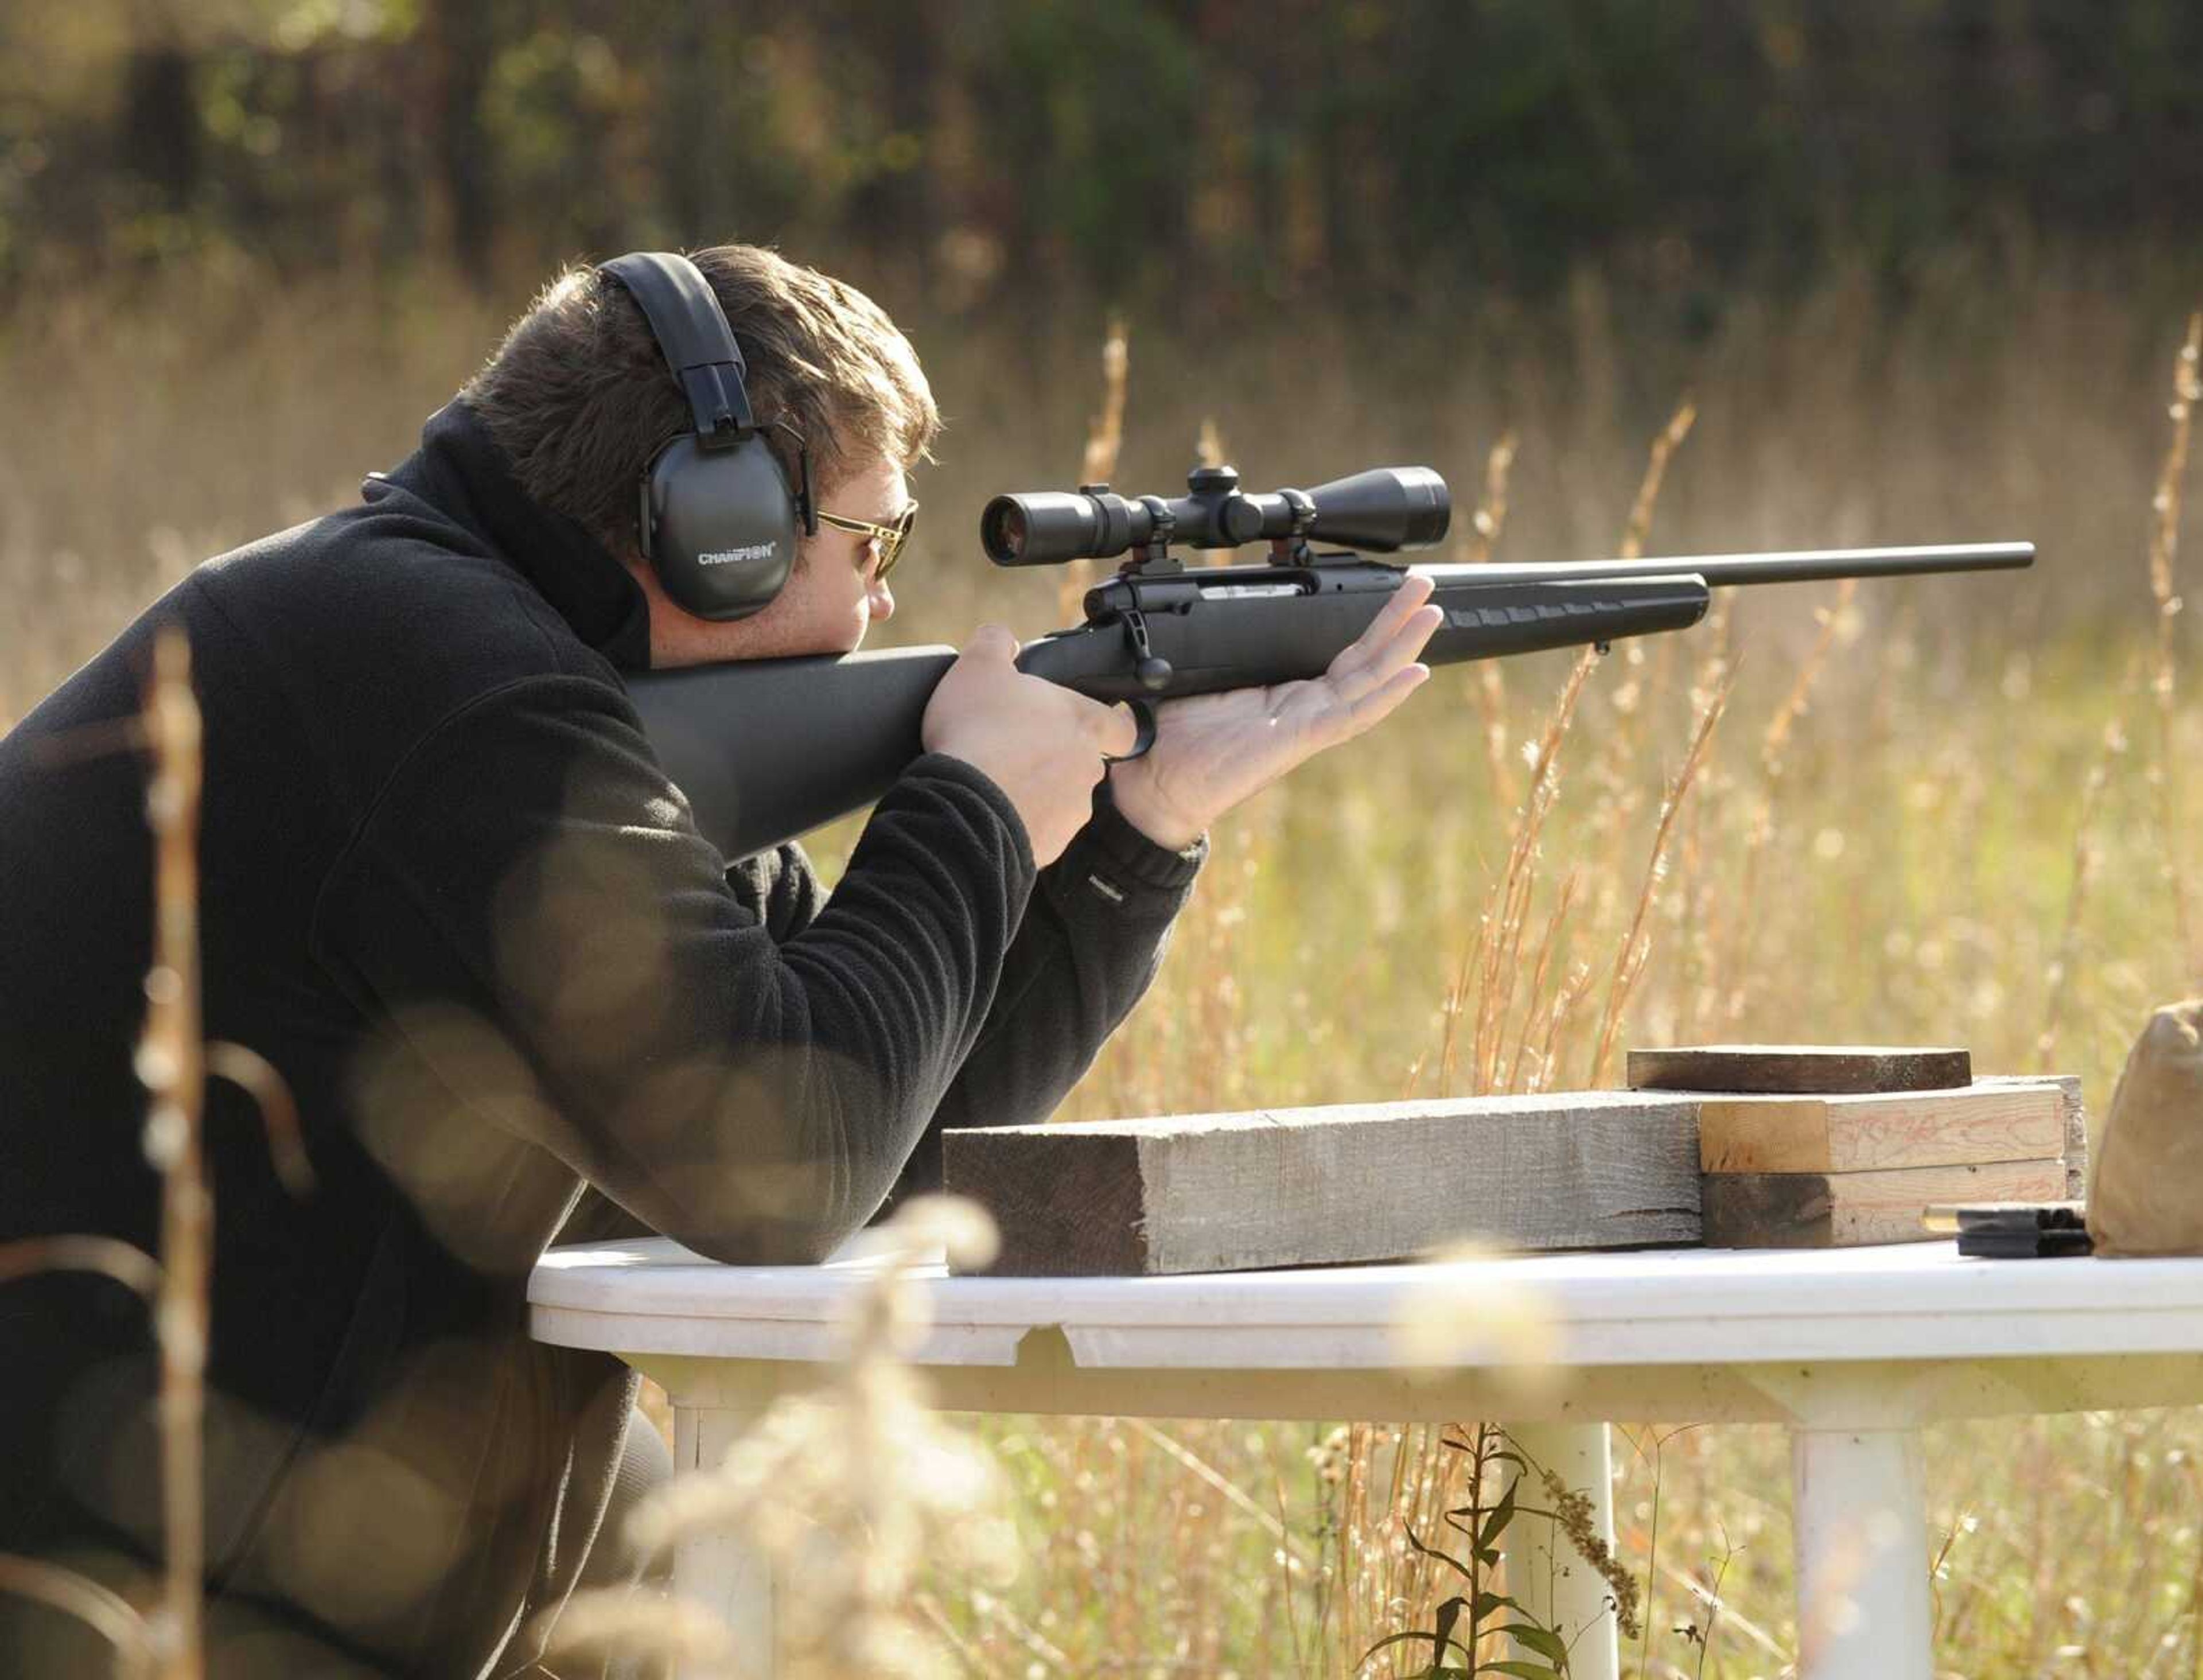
<point x="1092" y="941"/>
<point x="529" y="867"/>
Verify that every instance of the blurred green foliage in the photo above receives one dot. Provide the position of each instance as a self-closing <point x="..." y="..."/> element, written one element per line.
<point x="1191" y="156"/>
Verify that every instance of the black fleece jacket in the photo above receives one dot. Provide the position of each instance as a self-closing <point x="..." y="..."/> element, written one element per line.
<point x="448" y="892"/>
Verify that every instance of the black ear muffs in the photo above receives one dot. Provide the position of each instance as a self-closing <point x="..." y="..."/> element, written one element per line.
<point x="717" y="519"/>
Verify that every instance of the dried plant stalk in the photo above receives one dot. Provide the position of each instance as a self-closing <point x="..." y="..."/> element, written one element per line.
<point x="1222" y="1484"/>
<point x="2164" y="547"/>
<point x="1491" y="516"/>
<point x="1547" y="945"/>
<point x="2085" y="856"/>
<point x="1572" y="992"/>
<point x="1501" y="955"/>
<point x="105" y="1612"/>
<point x="667" y="1630"/>
<point x="1772" y="743"/>
<point x="1498" y="935"/>
<point x="1777" y="735"/>
<point x="1629" y="961"/>
<point x="1656" y="474"/>
<point x="1402" y="1587"/>
<point x="1639" y="530"/>
<point x="1105" y="442"/>
<point x="1490" y="519"/>
<point x="1622" y="745"/>
<point x="1104" y="435"/>
<point x="1457" y="1001"/>
<point x="253" y="1074"/>
<point x="1209" y="444"/>
<point x="849" y="1493"/>
<point x="1355" y="1550"/>
<point x="170" y="1063"/>
<point x="126" y="1263"/>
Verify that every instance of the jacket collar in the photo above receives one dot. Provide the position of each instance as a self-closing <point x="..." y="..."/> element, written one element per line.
<point x="462" y="474"/>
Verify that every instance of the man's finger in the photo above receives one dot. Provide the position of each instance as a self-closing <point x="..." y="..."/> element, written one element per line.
<point x="1124" y="731"/>
<point x="1414" y="589"/>
<point x="1380" y="702"/>
<point x="992" y="642"/>
<point x="1351" y="680"/>
<point x="1111" y="730"/>
<point x="1368" y="646"/>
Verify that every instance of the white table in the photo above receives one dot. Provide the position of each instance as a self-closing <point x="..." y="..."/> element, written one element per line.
<point x="1853" y="1350"/>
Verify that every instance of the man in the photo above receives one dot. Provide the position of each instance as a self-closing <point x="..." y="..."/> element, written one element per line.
<point x="448" y="892"/>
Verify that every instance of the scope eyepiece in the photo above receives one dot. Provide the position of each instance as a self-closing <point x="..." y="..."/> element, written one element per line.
<point x="1048" y="527"/>
<point x="1384" y="510"/>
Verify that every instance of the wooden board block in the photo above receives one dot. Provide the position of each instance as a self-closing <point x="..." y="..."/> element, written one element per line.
<point x="2076" y="1125"/>
<point x="1847" y="1210"/>
<point x="2014" y="1121"/>
<point x="1799" y="1069"/>
<point x="1323" y="1185"/>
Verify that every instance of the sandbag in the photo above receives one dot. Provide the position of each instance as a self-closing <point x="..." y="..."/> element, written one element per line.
<point x="2145" y="1186"/>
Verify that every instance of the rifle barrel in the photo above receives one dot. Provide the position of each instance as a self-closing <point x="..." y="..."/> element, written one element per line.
<point x="1801" y="566"/>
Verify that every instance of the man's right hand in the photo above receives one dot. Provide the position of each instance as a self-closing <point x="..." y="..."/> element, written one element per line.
<point x="1040" y="743"/>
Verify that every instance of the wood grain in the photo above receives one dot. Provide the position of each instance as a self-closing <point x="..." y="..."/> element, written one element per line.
<point x="2014" y="1121"/>
<point x="1323" y="1185"/>
<point x="1057" y="1193"/>
<point x="2076" y="1124"/>
<point x="1847" y="1210"/>
<point x="1799" y="1069"/>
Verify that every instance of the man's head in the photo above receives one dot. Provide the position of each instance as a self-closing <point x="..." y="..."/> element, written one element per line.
<point x="578" y="399"/>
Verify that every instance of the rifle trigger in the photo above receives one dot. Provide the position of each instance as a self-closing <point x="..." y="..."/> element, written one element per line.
<point x="1143" y="715"/>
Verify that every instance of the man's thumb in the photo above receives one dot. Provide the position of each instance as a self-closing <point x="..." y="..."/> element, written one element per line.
<point x="993" y="642"/>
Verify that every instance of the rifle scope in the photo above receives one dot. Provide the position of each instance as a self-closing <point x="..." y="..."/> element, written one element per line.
<point x="1384" y="510"/>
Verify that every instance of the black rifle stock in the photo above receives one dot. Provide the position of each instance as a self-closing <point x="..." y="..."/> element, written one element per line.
<point x="768" y="749"/>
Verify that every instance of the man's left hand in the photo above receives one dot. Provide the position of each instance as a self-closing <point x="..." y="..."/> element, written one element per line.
<point x="1211" y="751"/>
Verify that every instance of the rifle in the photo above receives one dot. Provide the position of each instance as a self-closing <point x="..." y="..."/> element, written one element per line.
<point x="767" y="749"/>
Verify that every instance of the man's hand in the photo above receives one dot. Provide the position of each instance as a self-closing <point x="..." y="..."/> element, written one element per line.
<point x="1213" y="751"/>
<point x="1040" y="743"/>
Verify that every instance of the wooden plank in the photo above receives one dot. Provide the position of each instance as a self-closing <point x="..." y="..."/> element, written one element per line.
<point x="1799" y="1069"/>
<point x="1847" y="1210"/>
<point x="1057" y="1193"/>
<point x="1323" y="1185"/>
<point x="2076" y="1124"/>
<point x="2012" y="1121"/>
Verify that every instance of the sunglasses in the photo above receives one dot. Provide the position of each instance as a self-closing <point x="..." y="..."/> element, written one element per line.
<point x="890" y="538"/>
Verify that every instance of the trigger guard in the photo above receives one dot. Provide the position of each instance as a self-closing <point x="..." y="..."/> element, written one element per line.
<point x="1144" y="716"/>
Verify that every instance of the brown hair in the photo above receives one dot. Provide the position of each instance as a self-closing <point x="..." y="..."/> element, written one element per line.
<point x="579" y="399"/>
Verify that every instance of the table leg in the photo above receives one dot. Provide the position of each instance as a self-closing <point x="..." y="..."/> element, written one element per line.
<point x="720" y="1571"/>
<point x="1554" y="1583"/>
<point x="1858" y="1514"/>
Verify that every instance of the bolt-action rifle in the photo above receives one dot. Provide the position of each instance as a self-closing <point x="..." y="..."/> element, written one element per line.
<point x="766" y="749"/>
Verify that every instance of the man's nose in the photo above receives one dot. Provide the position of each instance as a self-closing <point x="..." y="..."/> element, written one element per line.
<point x="883" y="600"/>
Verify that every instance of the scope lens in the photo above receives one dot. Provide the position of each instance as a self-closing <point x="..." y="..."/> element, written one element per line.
<point x="1038" y="529"/>
<point x="1003" y="530"/>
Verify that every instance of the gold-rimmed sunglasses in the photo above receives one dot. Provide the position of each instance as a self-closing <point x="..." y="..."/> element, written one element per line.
<point x="890" y="538"/>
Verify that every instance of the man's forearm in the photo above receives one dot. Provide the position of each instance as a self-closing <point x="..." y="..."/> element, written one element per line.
<point x="1090" y="943"/>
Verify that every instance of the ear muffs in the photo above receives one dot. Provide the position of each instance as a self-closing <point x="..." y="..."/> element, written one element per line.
<point x="717" y="517"/>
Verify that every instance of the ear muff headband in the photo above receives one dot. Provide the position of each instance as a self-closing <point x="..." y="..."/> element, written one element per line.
<point x="717" y="519"/>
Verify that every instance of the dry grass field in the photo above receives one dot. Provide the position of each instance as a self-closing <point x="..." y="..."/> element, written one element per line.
<point x="1949" y="811"/>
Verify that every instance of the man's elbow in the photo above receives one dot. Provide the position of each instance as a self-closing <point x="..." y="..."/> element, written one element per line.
<point x="800" y="1225"/>
<point x="778" y="1164"/>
